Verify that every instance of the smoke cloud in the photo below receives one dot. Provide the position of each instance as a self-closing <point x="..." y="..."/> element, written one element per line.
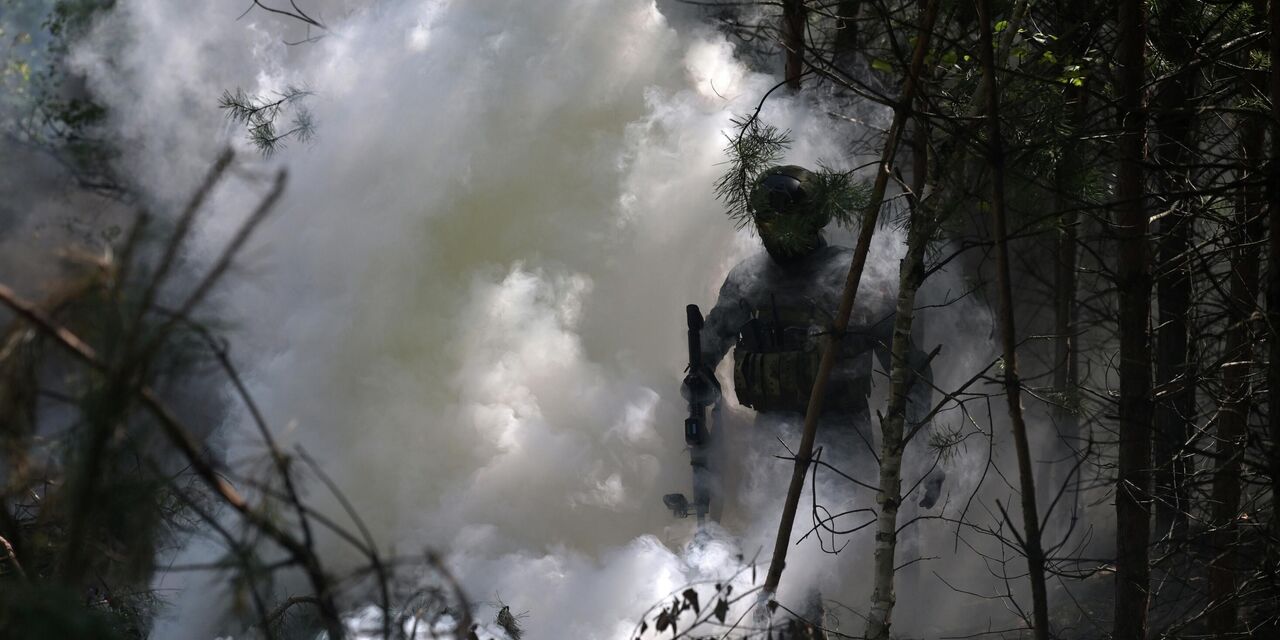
<point x="469" y="306"/>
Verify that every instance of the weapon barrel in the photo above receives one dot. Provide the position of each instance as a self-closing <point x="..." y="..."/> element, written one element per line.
<point x="694" y="317"/>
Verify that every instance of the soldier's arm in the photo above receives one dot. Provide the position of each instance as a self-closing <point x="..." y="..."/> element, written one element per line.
<point x="720" y="329"/>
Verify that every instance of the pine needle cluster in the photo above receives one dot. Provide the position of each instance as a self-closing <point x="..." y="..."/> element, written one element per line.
<point x="838" y="196"/>
<point x="756" y="147"/>
<point x="259" y="115"/>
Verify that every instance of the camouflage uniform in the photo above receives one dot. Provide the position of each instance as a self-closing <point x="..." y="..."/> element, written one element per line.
<point x="775" y="310"/>
<point x="775" y="316"/>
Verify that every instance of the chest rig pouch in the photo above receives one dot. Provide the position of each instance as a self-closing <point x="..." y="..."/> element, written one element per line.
<point x="775" y="363"/>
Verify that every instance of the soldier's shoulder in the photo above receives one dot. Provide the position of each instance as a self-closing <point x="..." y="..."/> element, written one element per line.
<point x="750" y="267"/>
<point x="738" y="281"/>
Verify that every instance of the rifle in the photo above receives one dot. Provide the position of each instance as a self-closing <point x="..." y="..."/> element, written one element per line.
<point x="700" y="392"/>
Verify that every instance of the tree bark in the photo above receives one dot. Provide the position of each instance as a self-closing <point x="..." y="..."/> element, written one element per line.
<point x="794" y="21"/>
<point x="1008" y="335"/>
<point x="847" y="27"/>
<point x="1273" y="278"/>
<point x="1133" y="283"/>
<point x="892" y="444"/>
<point x="805" y="451"/>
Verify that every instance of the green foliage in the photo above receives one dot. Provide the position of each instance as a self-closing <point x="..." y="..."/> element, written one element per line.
<point x="88" y="500"/>
<point x="22" y="55"/>
<point x="36" y="35"/>
<point x="834" y="195"/>
<point x="71" y="18"/>
<point x="41" y="102"/>
<point x="838" y="196"/>
<point x="41" y="611"/>
<point x="756" y="147"/>
<point x="789" y="235"/>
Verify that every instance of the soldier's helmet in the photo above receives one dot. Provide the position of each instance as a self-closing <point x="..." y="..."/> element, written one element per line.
<point x="781" y="190"/>
<point x="785" y="212"/>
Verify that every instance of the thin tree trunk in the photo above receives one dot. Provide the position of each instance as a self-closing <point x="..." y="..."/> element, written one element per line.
<point x="805" y="451"/>
<point x="892" y="444"/>
<point x="1133" y="283"/>
<point x="1233" y="407"/>
<point x="1066" y="374"/>
<point x="1175" y="405"/>
<point x="1008" y="334"/>
<point x="1068" y="198"/>
<point x="1273" y="279"/>
<point x="847" y="27"/>
<point x="980" y="98"/>
<point x="793" y="24"/>
<point x="901" y="374"/>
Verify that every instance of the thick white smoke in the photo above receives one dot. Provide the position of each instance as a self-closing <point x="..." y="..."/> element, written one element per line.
<point x="469" y="305"/>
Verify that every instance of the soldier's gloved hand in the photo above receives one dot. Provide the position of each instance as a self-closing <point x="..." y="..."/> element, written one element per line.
<point x="701" y="386"/>
<point x="932" y="488"/>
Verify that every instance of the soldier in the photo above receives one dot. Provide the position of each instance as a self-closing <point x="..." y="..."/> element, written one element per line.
<point x="775" y="309"/>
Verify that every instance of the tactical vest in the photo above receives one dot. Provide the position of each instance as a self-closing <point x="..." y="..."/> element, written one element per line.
<point x="775" y="363"/>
